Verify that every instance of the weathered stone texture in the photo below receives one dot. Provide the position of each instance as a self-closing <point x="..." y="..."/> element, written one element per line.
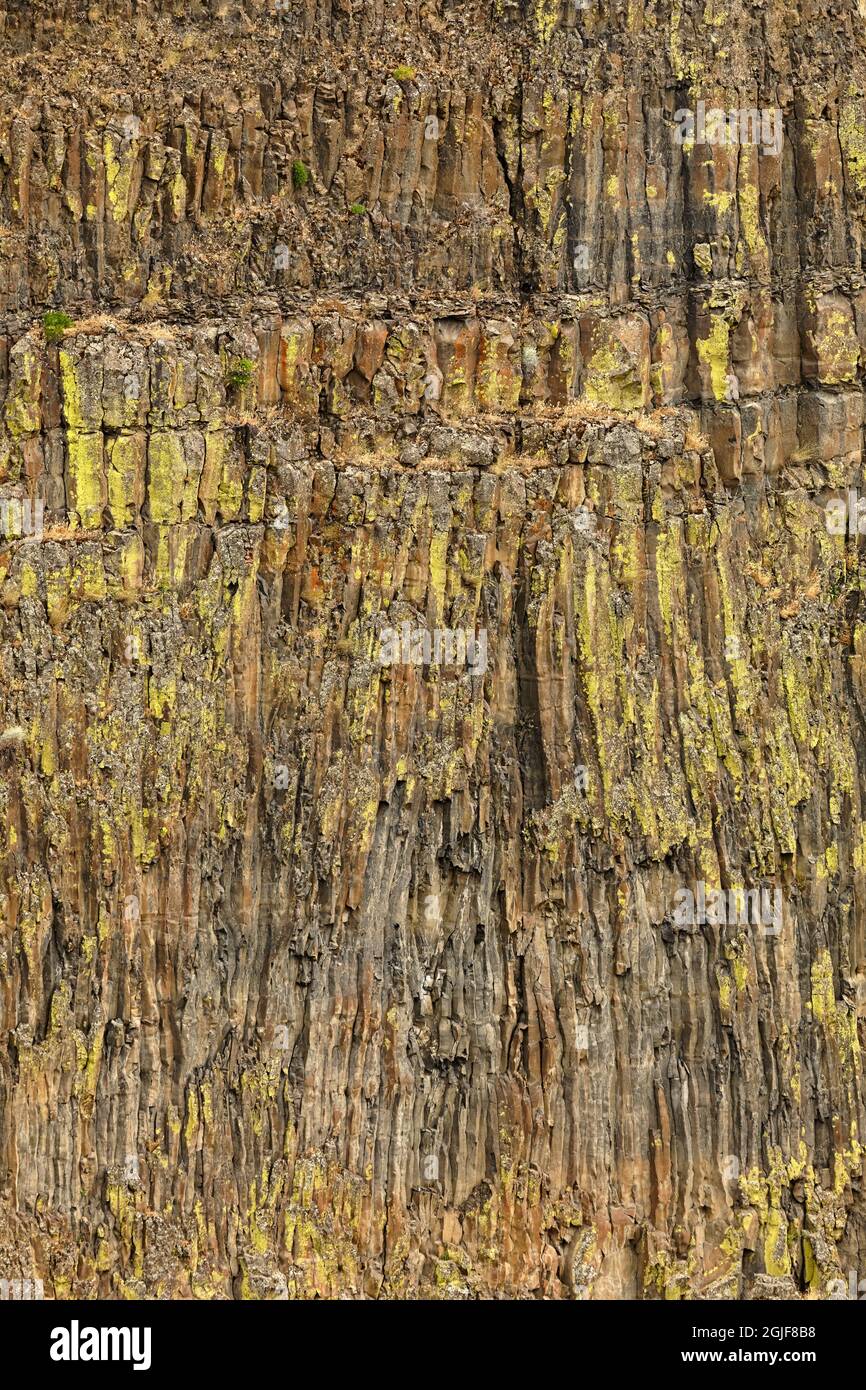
<point x="325" y="976"/>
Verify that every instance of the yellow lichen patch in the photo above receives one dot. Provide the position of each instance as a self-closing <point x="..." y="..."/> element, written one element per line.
<point x="172" y="492"/>
<point x="126" y="469"/>
<point x="748" y="198"/>
<point x="714" y="353"/>
<point x="823" y="993"/>
<point x="546" y="17"/>
<point x="613" y="379"/>
<point x="439" y="570"/>
<point x="161" y="696"/>
<point x="721" y="202"/>
<point x="839" y="1021"/>
<point x="777" y="1256"/>
<point x="852" y="138"/>
<point x="119" y="168"/>
<point x="88" y="491"/>
<point x="21" y="410"/>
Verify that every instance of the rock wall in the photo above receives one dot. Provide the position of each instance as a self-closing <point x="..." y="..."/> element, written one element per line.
<point x="418" y="593"/>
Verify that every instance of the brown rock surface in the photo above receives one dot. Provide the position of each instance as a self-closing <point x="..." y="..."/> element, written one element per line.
<point x="323" y="974"/>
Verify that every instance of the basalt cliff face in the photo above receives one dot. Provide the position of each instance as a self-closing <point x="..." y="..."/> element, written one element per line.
<point x="432" y="648"/>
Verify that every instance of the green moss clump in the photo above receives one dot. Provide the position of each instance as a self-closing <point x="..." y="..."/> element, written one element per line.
<point x="54" y="325"/>
<point x="358" y="209"/>
<point x="300" y="174"/>
<point x="240" y="373"/>
<point x="404" y="73"/>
